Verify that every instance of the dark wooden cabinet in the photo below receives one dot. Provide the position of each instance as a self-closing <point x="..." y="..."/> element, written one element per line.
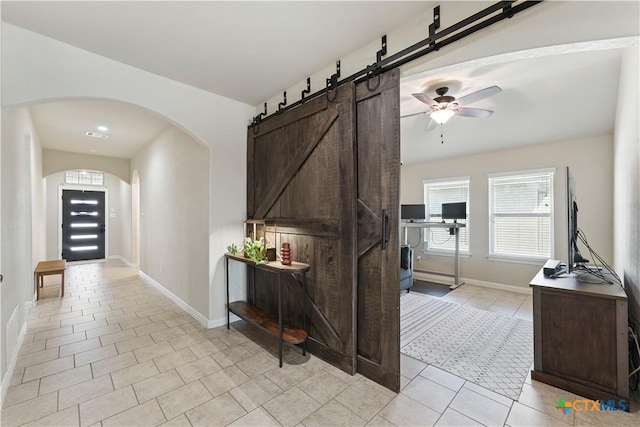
<point x="580" y="337"/>
<point x="273" y="325"/>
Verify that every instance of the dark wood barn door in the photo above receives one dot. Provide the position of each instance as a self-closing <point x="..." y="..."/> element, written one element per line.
<point x="378" y="303"/>
<point x="301" y="170"/>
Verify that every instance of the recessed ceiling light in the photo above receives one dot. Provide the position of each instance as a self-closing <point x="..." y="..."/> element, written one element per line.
<point x="97" y="135"/>
<point x="103" y="128"/>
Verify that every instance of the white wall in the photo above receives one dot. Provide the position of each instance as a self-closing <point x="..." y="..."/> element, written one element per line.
<point x="627" y="180"/>
<point x="37" y="68"/>
<point x="21" y="240"/>
<point x="174" y="216"/>
<point x="119" y="201"/>
<point x="591" y="163"/>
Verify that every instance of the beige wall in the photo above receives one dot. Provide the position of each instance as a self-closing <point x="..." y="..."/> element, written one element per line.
<point x="59" y="161"/>
<point x="591" y="164"/>
<point x="21" y="230"/>
<point x="174" y="216"/>
<point x="38" y="197"/>
<point x="627" y="180"/>
<point x="119" y="204"/>
<point x="119" y="217"/>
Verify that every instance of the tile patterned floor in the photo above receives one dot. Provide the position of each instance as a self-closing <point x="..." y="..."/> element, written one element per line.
<point x="115" y="352"/>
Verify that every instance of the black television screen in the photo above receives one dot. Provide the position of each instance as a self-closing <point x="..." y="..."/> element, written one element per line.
<point x="454" y="210"/>
<point x="412" y="212"/>
<point x="574" y="256"/>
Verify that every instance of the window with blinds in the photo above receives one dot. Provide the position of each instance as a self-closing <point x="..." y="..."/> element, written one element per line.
<point x="435" y="194"/>
<point x="521" y="215"/>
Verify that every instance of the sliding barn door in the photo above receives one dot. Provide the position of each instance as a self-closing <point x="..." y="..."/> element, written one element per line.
<point x="378" y="142"/>
<point x="301" y="170"/>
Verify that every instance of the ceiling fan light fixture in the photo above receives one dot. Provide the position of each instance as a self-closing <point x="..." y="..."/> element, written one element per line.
<point x="441" y="116"/>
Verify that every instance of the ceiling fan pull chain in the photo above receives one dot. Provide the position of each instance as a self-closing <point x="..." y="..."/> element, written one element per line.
<point x="441" y="132"/>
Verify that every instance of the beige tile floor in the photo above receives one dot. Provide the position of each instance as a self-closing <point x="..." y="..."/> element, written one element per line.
<point x="116" y="352"/>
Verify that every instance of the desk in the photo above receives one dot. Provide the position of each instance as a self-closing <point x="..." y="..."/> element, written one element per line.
<point x="274" y="327"/>
<point x="47" y="268"/>
<point x="456" y="227"/>
<point x="580" y="337"/>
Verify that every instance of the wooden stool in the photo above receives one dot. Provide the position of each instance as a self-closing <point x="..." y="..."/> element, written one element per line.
<point x="47" y="268"/>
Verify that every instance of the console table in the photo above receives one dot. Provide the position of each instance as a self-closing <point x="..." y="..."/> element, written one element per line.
<point x="284" y="334"/>
<point x="580" y="337"/>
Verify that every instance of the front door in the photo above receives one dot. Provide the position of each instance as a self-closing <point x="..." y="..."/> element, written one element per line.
<point x="83" y="225"/>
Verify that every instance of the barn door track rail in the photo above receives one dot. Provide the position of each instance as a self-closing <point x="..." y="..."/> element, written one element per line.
<point x="436" y="40"/>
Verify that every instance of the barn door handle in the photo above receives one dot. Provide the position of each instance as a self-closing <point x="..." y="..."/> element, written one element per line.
<point x="385" y="229"/>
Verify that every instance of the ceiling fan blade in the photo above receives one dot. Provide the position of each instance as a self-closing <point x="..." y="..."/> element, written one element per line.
<point x="473" y="112"/>
<point x="477" y="96"/>
<point x="413" y="114"/>
<point x="424" y="98"/>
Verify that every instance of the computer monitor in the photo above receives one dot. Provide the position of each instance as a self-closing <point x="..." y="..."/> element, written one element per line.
<point x="454" y="211"/>
<point x="413" y="212"/>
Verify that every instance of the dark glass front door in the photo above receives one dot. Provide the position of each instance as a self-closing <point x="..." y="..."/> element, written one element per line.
<point x="83" y="225"/>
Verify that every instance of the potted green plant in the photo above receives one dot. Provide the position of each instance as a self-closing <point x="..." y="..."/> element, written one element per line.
<point x="255" y="250"/>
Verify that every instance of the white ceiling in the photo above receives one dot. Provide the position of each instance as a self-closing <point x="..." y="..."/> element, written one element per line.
<point x="544" y="99"/>
<point x="244" y="50"/>
<point x="63" y="125"/>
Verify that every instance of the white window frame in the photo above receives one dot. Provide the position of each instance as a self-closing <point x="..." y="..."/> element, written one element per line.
<point x="427" y="231"/>
<point x="524" y="259"/>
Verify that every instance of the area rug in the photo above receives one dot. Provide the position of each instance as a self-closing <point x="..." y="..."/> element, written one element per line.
<point x="489" y="349"/>
<point x="430" y="288"/>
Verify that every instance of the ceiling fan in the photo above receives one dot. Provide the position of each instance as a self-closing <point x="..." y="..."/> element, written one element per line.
<point x="443" y="106"/>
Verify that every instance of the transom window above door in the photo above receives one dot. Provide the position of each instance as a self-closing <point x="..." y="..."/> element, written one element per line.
<point x="84" y="178"/>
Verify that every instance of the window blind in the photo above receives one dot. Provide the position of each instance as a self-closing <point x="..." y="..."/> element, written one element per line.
<point x="521" y="215"/>
<point x="437" y="193"/>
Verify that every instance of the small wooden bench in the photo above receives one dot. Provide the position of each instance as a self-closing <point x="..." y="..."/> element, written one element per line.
<point x="47" y="268"/>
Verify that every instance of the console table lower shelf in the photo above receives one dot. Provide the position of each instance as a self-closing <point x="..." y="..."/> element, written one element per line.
<point x="262" y="319"/>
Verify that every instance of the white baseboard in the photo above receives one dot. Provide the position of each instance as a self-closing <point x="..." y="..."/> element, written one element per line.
<point x="121" y="258"/>
<point x="176" y="299"/>
<point x="222" y="321"/>
<point x="474" y="282"/>
<point x="12" y="363"/>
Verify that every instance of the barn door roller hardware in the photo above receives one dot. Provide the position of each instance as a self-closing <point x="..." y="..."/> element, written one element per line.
<point x="305" y="92"/>
<point x="436" y="40"/>
<point x="435" y="25"/>
<point x="332" y="82"/>
<point x="255" y="123"/>
<point x="284" y="101"/>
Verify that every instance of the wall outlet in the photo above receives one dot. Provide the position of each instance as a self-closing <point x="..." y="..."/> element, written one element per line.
<point x="419" y="257"/>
